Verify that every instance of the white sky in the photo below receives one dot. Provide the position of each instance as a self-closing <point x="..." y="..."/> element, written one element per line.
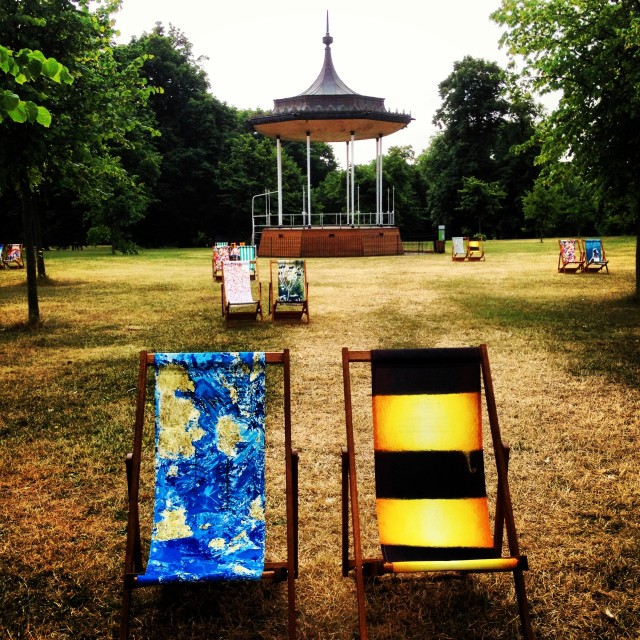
<point x="259" y="50"/>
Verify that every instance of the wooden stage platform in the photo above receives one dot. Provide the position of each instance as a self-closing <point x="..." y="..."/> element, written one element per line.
<point x="329" y="242"/>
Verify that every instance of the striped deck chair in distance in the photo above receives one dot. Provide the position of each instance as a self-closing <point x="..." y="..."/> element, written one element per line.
<point x="288" y="290"/>
<point x="459" y="248"/>
<point x="13" y="256"/>
<point x="431" y="501"/>
<point x="247" y="255"/>
<point x="571" y="256"/>
<point x="595" y="258"/>
<point x="209" y="492"/>
<point x="238" y="302"/>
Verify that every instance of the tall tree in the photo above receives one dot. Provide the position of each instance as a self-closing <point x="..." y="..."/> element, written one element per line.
<point x="481" y="124"/>
<point x="589" y="52"/>
<point x="195" y="129"/>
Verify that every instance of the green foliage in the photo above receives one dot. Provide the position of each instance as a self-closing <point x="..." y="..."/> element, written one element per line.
<point x="484" y="122"/>
<point x="27" y="66"/>
<point x="589" y="52"/>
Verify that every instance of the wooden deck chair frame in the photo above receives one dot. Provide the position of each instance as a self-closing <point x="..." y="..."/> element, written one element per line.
<point x="279" y="310"/>
<point x="456" y="255"/>
<point x="232" y="310"/>
<point x="352" y="558"/>
<point x="475" y="250"/>
<point x="577" y="263"/>
<point x="279" y="571"/>
<point x="592" y="265"/>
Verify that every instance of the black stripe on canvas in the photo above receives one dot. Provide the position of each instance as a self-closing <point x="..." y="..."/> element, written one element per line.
<point x="420" y="371"/>
<point x="429" y="474"/>
<point x="402" y="553"/>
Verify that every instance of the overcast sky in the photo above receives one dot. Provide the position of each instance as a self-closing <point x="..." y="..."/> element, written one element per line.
<point x="259" y="50"/>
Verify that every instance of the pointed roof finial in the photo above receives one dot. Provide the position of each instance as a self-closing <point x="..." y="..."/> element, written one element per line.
<point x="327" y="39"/>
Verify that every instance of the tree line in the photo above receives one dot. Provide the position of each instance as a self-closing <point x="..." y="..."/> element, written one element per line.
<point x="126" y="144"/>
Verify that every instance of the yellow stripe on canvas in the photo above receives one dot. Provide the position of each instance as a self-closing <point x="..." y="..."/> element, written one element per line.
<point x="482" y="564"/>
<point x="443" y="422"/>
<point x="434" y="523"/>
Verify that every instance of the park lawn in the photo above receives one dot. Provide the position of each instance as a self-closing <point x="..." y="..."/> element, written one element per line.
<point x="565" y="358"/>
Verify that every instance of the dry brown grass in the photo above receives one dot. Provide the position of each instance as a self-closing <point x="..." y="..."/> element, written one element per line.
<point x="565" y="354"/>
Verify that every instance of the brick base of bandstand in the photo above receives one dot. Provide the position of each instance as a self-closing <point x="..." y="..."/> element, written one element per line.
<point x="329" y="242"/>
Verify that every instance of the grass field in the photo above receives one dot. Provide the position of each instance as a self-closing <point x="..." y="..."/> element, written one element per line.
<point x="565" y="358"/>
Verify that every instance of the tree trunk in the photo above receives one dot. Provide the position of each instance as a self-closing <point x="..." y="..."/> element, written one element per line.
<point x="32" y="282"/>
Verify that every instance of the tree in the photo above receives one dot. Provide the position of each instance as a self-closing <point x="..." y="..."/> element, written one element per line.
<point x="587" y="51"/>
<point x="480" y="200"/>
<point x="89" y="124"/>
<point x="482" y="122"/>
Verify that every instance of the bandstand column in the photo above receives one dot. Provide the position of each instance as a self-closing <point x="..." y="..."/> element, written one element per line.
<point x="279" y="156"/>
<point x="348" y="179"/>
<point x="308" y="179"/>
<point x="353" y="176"/>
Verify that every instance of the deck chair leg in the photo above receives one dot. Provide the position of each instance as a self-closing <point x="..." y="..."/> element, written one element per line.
<point x="345" y="512"/>
<point x="498" y="533"/>
<point x="523" y="605"/>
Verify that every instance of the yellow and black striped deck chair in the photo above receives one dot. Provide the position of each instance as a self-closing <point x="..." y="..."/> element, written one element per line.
<point x="431" y="502"/>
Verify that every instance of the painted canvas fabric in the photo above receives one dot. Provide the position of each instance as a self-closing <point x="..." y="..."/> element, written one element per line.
<point x="429" y="466"/>
<point x="13" y="253"/>
<point x="458" y="245"/>
<point x="237" y="283"/>
<point x="593" y="250"/>
<point x="291" y="281"/>
<point x="209" y="506"/>
<point x="568" y="251"/>
<point x="220" y="255"/>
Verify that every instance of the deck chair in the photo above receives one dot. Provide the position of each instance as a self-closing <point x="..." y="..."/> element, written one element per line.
<point x="238" y="302"/>
<point x="288" y="290"/>
<point x="459" y="249"/>
<point x="595" y="258"/>
<point x="209" y="506"/>
<point x="2" y="265"/>
<point x="220" y="255"/>
<point x="247" y="254"/>
<point x="431" y="502"/>
<point x="13" y="256"/>
<point x="475" y="250"/>
<point x="571" y="256"/>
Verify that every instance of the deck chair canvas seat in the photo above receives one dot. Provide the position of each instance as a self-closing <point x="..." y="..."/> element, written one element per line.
<point x="247" y="255"/>
<point x="12" y="256"/>
<point x="571" y="256"/>
<point x="475" y="250"/>
<point x="432" y="510"/>
<point x="595" y="257"/>
<point x="238" y="302"/>
<point x="459" y="248"/>
<point x="221" y="254"/>
<point x="209" y="503"/>
<point x="288" y="290"/>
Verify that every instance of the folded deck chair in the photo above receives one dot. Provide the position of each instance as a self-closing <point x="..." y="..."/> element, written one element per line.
<point x="475" y="250"/>
<point x="595" y="258"/>
<point x="237" y="299"/>
<point x="571" y="256"/>
<point x="431" y="502"/>
<point x="288" y="290"/>
<point x="220" y="255"/>
<point x="459" y="249"/>
<point x="13" y="256"/>
<point x="209" y="506"/>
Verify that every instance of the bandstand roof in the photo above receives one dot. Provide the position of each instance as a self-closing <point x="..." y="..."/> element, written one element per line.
<point x="329" y="111"/>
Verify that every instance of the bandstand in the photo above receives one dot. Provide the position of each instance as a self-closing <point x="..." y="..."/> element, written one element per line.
<point x="329" y="111"/>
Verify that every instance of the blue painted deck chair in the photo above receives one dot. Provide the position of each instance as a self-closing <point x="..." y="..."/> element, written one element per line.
<point x="595" y="258"/>
<point x="459" y="248"/>
<point x="571" y="256"/>
<point x="13" y="256"/>
<point x="288" y="290"/>
<point x="475" y="250"/>
<point x="431" y="501"/>
<point x="238" y="302"/>
<point x="210" y="497"/>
